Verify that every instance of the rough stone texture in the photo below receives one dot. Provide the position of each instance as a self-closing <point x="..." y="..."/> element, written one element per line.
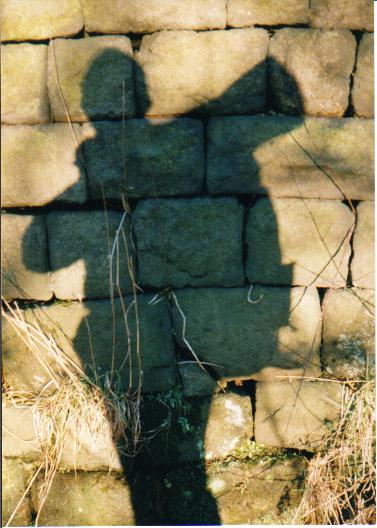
<point x="18" y="433"/>
<point x="86" y="499"/>
<point x="145" y="157"/>
<point x="80" y="244"/>
<point x="13" y="488"/>
<point x="296" y="414"/>
<point x="348" y="334"/>
<point x="363" y="85"/>
<point x="278" y="335"/>
<point x="195" y="381"/>
<point x="91" y="78"/>
<point x="362" y="265"/>
<point x="24" y="263"/>
<point x="299" y="242"/>
<point x="24" y="84"/>
<point x="350" y="14"/>
<point x="147" y="16"/>
<point x="291" y="157"/>
<point x="205" y="429"/>
<point x="41" y="164"/>
<point x="170" y="235"/>
<point x="75" y="325"/>
<point x="174" y="79"/>
<point x="309" y="71"/>
<point x="269" y="12"/>
<point x="40" y="20"/>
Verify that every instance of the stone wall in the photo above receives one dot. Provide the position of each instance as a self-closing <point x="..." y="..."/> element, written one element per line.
<point x="206" y="168"/>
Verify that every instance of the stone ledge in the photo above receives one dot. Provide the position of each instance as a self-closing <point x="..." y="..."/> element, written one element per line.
<point x="328" y="14"/>
<point x="243" y="13"/>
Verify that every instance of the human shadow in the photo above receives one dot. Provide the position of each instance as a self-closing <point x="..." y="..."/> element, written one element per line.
<point x="116" y="177"/>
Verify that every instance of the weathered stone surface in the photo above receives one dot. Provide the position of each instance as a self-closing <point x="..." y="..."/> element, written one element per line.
<point x="147" y="16"/>
<point x="24" y="264"/>
<point x="362" y="264"/>
<point x="277" y="335"/>
<point x="40" y="20"/>
<point x="299" y="242"/>
<point x="24" y="84"/>
<point x="91" y="78"/>
<point x="85" y="499"/>
<point x="85" y="331"/>
<point x="195" y="381"/>
<point x="291" y="157"/>
<point x="204" y="429"/>
<point x="174" y="78"/>
<point x="309" y="71"/>
<point x="12" y="490"/>
<point x="41" y="164"/>
<point x="18" y="433"/>
<point x="348" y="333"/>
<point x="350" y="14"/>
<point x="297" y="413"/>
<point x="80" y="246"/>
<point x="145" y="158"/>
<point x="270" y="12"/>
<point x="170" y="235"/>
<point x="363" y="85"/>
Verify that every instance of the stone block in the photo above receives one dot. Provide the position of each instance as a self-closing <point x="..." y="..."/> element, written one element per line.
<point x="41" y="164"/>
<point x="362" y="264"/>
<point x="170" y="235"/>
<point x="80" y="244"/>
<point x="195" y="381"/>
<point x="328" y="14"/>
<point x="268" y="13"/>
<point x="143" y="157"/>
<point x="309" y="71"/>
<point x="363" y="84"/>
<point x="203" y="429"/>
<point x="99" y="340"/>
<point x="296" y="414"/>
<point x="24" y="84"/>
<point x="348" y="350"/>
<point x="276" y="334"/>
<point x="85" y="499"/>
<point x="173" y="75"/>
<point x="147" y="16"/>
<point x="299" y="242"/>
<point x="91" y="78"/>
<point x="19" y="434"/>
<point x="13" y="488"/>
<point x="40" y="20"/>
<point x="24" y="261"/>
<point x="291" y="157"/>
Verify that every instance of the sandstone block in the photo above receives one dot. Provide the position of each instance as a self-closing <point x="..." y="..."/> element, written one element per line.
<point x="362" y="265"/>
<point x="80" y="247"/>
<point x="170" y="234"/>
<point x="348" y="334"/>
<point x="24" y="84"/>
<point x="147" y="16"/>
<point x="329" y="14"/>
<point x="41" y="164"/>
<point x="13" y="488"/>
<point x="310" y="71"/>
<point x="296" y="414"/>
<point x="195" y="381"/>
<point x="277" y="334"/>
<point x="19" y="434"/>
<point x="299" y="242"/>
<point x="363" y="86"/>
<point x="40" y="20"/>
<point x="270" y="13"/>
<point x="24" y="263"/>
<point x="291" y="157"/>
<point x="173" y="75"/>
<point x="99" y="340"/>
<point x="85" y="499"/>
<point x="145" y="158"/>
<point x="91" y="78"/>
